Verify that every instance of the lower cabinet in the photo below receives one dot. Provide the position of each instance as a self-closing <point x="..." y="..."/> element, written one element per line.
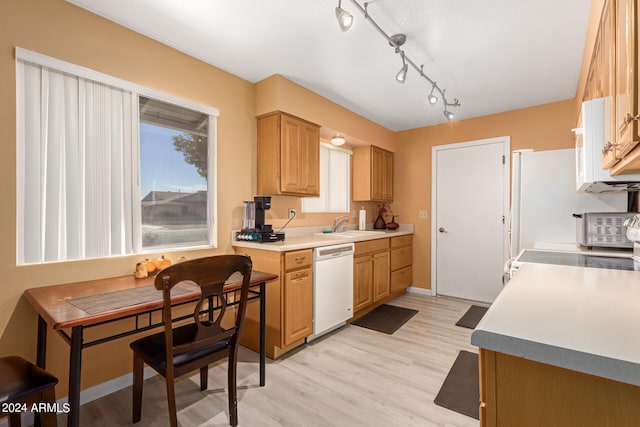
<point x="401" y="262"/>
<point x="362" y="282"/>
<point x="298" y="297"/>
<point x="289" y="301"/>
<point x="518" y="392"/>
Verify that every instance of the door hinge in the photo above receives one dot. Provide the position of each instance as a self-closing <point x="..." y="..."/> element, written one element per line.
<point x="503" y="159"/>
<point x="503" y="219"/>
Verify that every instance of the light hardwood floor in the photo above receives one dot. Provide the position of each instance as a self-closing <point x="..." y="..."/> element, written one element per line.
<point x="351" y="377"/>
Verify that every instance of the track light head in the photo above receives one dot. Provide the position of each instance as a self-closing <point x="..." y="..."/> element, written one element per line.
<point x="449" y="115"/>
<point x="402" y="74"/>
<point x="345" y="19"/>
<point x="432" y="98"/>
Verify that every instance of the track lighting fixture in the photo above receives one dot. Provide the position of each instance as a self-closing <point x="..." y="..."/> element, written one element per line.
<point x="337" y="140"/>
<point x="432" y="98"/>
<point x="402" y="74"/>
<point x="345" y="19"/>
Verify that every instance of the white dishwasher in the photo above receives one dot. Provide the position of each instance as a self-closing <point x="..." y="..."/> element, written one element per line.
<point x="332" y="287"/>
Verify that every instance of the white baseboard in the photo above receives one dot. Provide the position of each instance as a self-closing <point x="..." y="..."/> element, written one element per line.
<point x="92" y="393"/>
<point x="421" y="291"/>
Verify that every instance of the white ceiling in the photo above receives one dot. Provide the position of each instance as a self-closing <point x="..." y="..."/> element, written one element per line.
<point x="493" y="55"/>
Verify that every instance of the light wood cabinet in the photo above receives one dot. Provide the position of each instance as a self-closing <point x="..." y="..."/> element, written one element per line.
<point x="401" y="262"/>
<point x="518" y="392"/>
<point x="372" y="178"/>
<point x="362" y="282"/>
<point x="617" y="44"/>
<point x="288" y="155"/>
<point x="298" y="299"/>
<point x="371" y="273"/>
<point x="381" y="282"/>
<point x="289" y="300"/>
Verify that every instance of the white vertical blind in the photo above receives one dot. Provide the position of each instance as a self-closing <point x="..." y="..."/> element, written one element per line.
<point x="70" y="155"/>
<point x="334" y="182"/>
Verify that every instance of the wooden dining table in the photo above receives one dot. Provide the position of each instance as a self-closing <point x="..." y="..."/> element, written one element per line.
<point x="78" y="306"/>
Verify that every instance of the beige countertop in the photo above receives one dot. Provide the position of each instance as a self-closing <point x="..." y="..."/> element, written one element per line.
<point x="309" y="238"/>
<point x="578" y="318"/>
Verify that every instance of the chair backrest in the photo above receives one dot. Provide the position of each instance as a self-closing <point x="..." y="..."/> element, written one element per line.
<point x="210" y="273"/>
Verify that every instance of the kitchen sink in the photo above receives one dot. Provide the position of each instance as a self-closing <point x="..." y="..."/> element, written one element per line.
<point x="351" y="233"/>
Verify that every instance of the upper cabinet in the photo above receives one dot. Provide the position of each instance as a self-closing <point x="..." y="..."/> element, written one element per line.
<point x="372" y="174"/>
<point x="288" y="155"/>
<point x="614" y="75"/>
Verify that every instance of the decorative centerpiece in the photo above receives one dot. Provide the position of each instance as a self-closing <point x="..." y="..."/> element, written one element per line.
<point x="380" y="223"/>
<point x="393" y="225"/>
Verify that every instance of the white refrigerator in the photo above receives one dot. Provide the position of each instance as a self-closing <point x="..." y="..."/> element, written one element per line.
<point x="544" y="198"/>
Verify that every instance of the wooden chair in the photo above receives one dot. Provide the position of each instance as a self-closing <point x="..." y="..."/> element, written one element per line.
<point x="22" y="383"/>
<point x="180" y="350"/>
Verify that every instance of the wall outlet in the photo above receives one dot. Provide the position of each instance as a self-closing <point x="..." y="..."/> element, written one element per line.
<point x="292" y="213"/>
<point x="422" y="214"/>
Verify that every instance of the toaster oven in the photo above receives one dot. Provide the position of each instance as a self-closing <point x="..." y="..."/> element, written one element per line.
<point x="603" y="229"/>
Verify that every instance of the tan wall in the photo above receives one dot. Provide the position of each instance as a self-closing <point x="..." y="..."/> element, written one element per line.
<point x="544" y="127"/>
<point x="63" y="31"/>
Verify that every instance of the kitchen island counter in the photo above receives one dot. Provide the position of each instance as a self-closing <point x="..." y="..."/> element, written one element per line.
<point x="582" y="319"/>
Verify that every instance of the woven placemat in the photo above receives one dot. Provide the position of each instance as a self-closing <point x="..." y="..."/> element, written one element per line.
<point x="460" y="390"/>
<point x="101" y="303"/>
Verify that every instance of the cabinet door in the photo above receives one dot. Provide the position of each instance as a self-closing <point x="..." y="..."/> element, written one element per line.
<point x="377" y="174"/>
<point x="381" y="275"/>
<point x="626" y="104"/>
<point x="290" y="155"/>
<point x="309" y="178"/>
<point x="387" y="173"/>
<point x="607" y="47"/>
<point x="298" y="306"/>
<point x="362" y="282"/>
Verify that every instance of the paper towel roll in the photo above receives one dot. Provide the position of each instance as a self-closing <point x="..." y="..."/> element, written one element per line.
<point x="362" y="219"/>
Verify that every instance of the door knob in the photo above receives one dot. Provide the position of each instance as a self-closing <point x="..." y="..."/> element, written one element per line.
<point x="442" y="230"/>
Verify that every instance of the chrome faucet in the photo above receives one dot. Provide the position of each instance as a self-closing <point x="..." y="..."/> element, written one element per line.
<point x="338" y="221"/>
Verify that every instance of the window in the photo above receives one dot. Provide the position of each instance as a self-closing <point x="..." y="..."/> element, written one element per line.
<point x="106" y="167"/>
<point x="173" y="175"/>
<point x="334" y="182"/>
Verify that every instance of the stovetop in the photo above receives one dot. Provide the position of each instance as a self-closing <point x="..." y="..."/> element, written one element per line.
<point x="579" y="260"/>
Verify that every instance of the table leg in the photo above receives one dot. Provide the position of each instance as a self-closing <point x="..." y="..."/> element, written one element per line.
<point x="41" y="352"/>
<point x="41" y="355"/>
<point x="263" y="327"/>
<point x="75" y="365"/>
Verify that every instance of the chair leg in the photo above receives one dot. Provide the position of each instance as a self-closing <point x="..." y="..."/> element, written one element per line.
<point x="15" y="420"/>
<point x="204" y="378"/>
<point x="233" y="390"/>
<point x="138" y="381"/>
<point x="171" y="400"/>
<point x="49" y="419"/>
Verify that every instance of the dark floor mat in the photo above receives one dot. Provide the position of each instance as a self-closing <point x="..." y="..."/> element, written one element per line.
<point x="385" y="318"/>
<point x="472" y="317"/>
<point x="460" y="391"/>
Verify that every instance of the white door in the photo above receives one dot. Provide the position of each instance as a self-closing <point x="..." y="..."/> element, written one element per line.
<point x="470" y="202"/>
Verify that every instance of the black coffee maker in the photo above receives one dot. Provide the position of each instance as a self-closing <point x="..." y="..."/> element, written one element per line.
<point x="254" y="229"/>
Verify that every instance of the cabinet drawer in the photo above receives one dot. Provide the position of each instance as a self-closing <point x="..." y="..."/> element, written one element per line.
<point x="297" y="259"/>
<point x="371" y="246"/>
<point x="401" y="257"/>
<point x="396" y="242"/>
<point x="401" y="279"/>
